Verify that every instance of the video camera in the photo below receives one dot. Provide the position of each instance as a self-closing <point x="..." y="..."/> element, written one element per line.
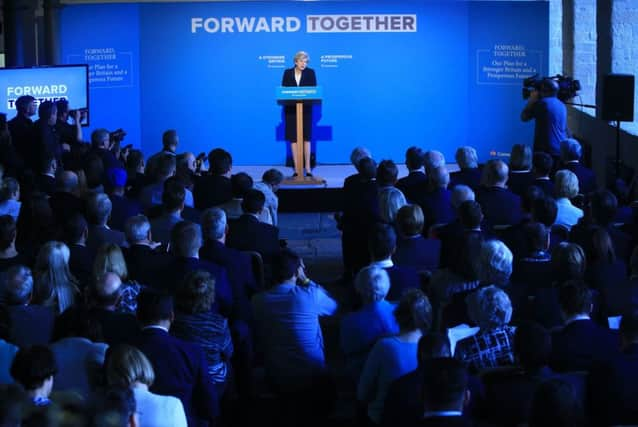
<point x="567" y="86"/>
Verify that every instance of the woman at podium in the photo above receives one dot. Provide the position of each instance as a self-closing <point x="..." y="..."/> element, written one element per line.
<point x="299" y="75"/>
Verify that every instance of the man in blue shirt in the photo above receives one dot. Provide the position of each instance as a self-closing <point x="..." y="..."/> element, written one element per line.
<point x="287" y="319"/>
<point x="551" y="118"/>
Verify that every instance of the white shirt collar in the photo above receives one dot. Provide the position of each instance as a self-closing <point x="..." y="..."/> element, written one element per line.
<point x="573" y="319"/>
<point x="155" y="327"/>
<point x="384" y="263"/>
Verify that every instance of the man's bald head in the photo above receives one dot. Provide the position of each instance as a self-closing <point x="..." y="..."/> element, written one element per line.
<point x="68" y="181"/>
<point x="107" y="289"/>
<point x="496" y="173"/>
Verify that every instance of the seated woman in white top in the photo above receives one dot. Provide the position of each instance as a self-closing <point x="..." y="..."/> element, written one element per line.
<point x="566" y="188"/>
<point x="126" y="366"/>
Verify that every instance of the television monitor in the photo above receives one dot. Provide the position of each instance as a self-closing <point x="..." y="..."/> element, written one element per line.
<point x="50" y="83"/>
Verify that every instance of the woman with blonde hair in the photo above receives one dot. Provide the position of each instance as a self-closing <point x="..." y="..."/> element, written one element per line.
<point x="53" y="282"/>
<point x="110" y="259"/>
<point x="127" y="367"/>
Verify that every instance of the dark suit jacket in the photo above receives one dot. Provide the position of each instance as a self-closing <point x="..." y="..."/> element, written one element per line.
<point x="613" y="389"/>
<point x="586" y="177"/>
<point x="248" y="234"/>
<point x="418" y="252"/>
<point x="100" y="235"/>
<point x="162" y="226"/>
<point x="81" y="263"/>
<point x="181" y="371"/>
<point x="123" y="209"/>
<point x="413" y="185"/>
<point x="470" y="177"/>
<point x="308" y="78"/>
<point x="211" y="190"/>
<point x="578" y="345"/>
<point x="238" y="265"/>
<point x="401" y="279"/>
<point x="45" y="184"/>
<point x="519" y="181"/>
<point x="581" y="234"/>
<point x="64" y="205"/>
<point x="619" y="297"/>
<point x="113" y="326"/>
<point x="500" y="206"/>
<point x="22" y="134"/>
<point x="30" y="325"/>
<point x="436" y="206"/>
<point x="546" y="185"/>
<point x="146" y="266"/>
<point x="360" y="212"/>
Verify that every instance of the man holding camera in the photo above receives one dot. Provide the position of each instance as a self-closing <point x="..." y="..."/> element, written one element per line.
<point x="551" y="118"/>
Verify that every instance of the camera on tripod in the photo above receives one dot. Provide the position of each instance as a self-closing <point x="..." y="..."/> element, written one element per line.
<point x="567" y="86"/>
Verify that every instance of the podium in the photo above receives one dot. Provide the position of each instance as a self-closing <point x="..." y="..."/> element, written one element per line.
<point x="297" y="95"/>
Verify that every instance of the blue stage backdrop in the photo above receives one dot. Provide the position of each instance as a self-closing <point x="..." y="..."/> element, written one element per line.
<point x="437" y="74"/>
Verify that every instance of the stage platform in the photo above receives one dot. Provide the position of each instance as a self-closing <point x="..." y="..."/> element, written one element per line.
<point x="314" y="198"/>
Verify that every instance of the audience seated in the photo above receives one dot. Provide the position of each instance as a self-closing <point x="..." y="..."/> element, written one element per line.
<point x="435" y="203"/>
<point x="581" y="342"/>
<point x="173" y="199"/>
<point x="383" y="243"/>
<point x="34" y="368"/>
<point x="197" y="322"/>
<point x="612" y="385"/>
<point x="289" y="335"/>
<point x="448" y="232"/>
<point x="45" y="179"/>
<point x="566" y="188"/>
<point x="570" y="154"/>
<point x="604" y="269"/>
<point x="375" y="319"/>
<point x="146" y="261"/>
<point x="491" y="309"/>
<point x="556" y="403"/>
<point x="9" y="256"/>
<point x="122" y="207"/>
<point x="391" y="199"/>
<point x="214" y="189"/>
<point x="27" y="323"/>
<point x="357" y="154"/>
<point x="180" y="367"/>
<point x="520" y="174"/>
<point x="135" y="178"/>
<point x="500" y="206"/>
<point x="416" y="182"/>
<point x="395" y="356"/>
<point x="387" y="174"/>
<point x="98" y="212"/>
<point x="445" y="394"/>
<point x="240" y="184"/>
<point x="542" y="164"/>
<point x="620" y="297"/>
<point x="127" y="367"/>
<point x="151" y="194"/>
<point x="76" y="231"/>
<point x="413" y="250"/>
<point x="110" y="259"/>
<point x="433" y="159"/>
<point x="65" y="201"/>
<point x="534" y="266"/>
<point x="170" y="140"/>
<point x="113" y="327"/>
<point x="404" y="404"/>
<point x="249" y="234"/>
<point x="269" y="185"/>
<point x="514" y="236"/>
<point x="10" y="198"/>
<point x="469" y="173"/>
<point x="53" y="283"/>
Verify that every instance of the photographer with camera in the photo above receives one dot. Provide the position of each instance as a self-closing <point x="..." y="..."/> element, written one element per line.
<point x="551" y="117"/>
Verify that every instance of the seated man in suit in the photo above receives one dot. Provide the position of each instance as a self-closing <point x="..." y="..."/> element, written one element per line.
<point x="357" y="154"/>
<point x="435" y="203"/>
<point x="170" y="140"/>
<point x="123" y="207"/>
<point x="514" y="236"/>
<point x="542" y="165"/>
<point x="214" y="189"/>
<point x="413" y="250"/>
<point x="249" y="234"/>
<point x="387" y="174"/>
<point x="613" y="385"/>
<point x="287" y="319"/>
<point x="269" y="185"/>
<point x="433" y="159"/>
<point x="500" y="206"/>
<point x="520" y="175"/>
<point x="382" y="244"/>
<point x="76" y="231"/>
<point x="186" y="241"/>
<point x="469" y="173"/>
<point x="65" y="202"/>
<point x="98" y="212"/>
<point x="173" y="199"/>
<point x="445" y="393"/>
<point x="416" y="182"/>
<point x="403" y="404"/>
<point x="45" y="180"/>
<point x="28" y="324"/>
<point x="180" y="367"/>
<point x="470" y="218"/>
<point x="115" y="327"/>
<point x="570" y="154"/>
<point x="581" y="342"/>
<point x="147" y="260"/>
<point x="241" y="183"/>
<point x="151" y="194"/>
<point x="533" y="265"/>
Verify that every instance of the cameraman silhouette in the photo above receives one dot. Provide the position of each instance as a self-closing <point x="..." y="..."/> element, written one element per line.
<point x="551" y="118"/>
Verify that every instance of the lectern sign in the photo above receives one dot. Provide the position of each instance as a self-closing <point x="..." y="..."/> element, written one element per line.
<point x="285" y="93"/>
